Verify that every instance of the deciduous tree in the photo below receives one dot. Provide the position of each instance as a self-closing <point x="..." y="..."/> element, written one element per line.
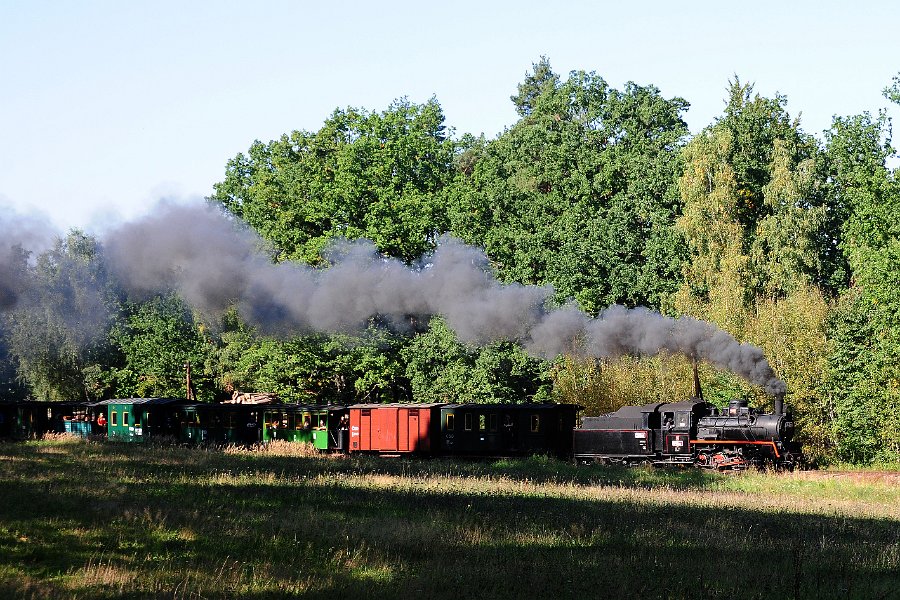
<point x="373" y="175"/>
<point x="580" y="192"/>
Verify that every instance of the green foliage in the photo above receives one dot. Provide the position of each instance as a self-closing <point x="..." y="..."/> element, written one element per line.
<point x="156" y="339"/>
<point x="441" y="369"/>
<point x="764" y="221"/>
<point x="580" y="192"/>
<point x="794" y="332"/>
<point x="758" y="217"/>
<point x="59" y="326"/>
<point x="314" y="368"/>
<point x="603" y="386"/>
<point x="715" y="285"/>
<point x="755" y="124"/>
<point x="12" y="387"/>
<point x="858" y="149"/>
<point x="864" y="381"/>
<point x="373" y="175"/>
<point x="892" y="92"/>
<point x="864" y="370"/>
<point x="542" y="80"/>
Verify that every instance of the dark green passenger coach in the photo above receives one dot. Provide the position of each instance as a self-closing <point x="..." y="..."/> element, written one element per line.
<point x="323" y="426"/>
<point x="141" y="419"/>
<point x="507" y="429"/>
<point x="221" y="423"/>
<point x="33" y="418"/>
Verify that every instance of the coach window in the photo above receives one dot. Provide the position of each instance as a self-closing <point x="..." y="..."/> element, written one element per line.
<point x="468" y="422"/>
<point x="450" y="425"/>
<point x="482" y="422"/>
<point x="125" y="418"/>
<point x="114" y="418"/>
<point x="493" y="422"/>
<point x="535" y="423"/>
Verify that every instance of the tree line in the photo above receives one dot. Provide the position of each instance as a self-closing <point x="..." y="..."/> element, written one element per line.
<point x="785" y="240"/>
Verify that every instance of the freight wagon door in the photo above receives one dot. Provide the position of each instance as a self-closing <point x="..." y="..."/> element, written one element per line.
<point x="404" y="429"/>
<point x="412" y="442"/>
<point x="361" y="431"/>
<point x="384" y="435"/>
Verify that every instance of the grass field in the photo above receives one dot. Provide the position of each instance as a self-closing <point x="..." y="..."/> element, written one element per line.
<point x="98" y="520"/>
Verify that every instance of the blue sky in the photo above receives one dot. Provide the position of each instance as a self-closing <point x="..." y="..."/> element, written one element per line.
<point x="108" y="107"/>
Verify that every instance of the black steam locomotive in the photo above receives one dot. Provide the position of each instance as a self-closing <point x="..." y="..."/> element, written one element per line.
<point x="691" y="433"/>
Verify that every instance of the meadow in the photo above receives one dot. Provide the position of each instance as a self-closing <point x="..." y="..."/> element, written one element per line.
<point x="83" y="519"/>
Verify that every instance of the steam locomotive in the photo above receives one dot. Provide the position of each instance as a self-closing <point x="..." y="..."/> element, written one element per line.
<point x="690" y="433"/>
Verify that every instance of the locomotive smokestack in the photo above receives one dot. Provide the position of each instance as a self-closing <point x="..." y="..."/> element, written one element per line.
<point x="698" y="391"/>
<point x="779" y="403"/>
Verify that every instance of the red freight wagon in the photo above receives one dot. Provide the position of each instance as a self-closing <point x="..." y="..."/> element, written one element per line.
<point x="394" y="428"/>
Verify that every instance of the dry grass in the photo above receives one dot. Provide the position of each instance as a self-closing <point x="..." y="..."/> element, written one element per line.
<point x="88" y="520"/>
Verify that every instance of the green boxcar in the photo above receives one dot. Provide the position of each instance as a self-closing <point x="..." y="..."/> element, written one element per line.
<point x="324" y="426"/>
<point x="140" y="419"/>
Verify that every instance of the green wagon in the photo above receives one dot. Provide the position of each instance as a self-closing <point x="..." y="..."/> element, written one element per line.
<point x="33" y="418"/>
<point x="220" y="423"/>
<point x="141" y="419"/>
<point x="323" y="426"/>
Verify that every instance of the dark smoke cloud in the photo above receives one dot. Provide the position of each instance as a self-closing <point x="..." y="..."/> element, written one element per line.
<point x="215" y="263"/>
<point x="23" y="236"/>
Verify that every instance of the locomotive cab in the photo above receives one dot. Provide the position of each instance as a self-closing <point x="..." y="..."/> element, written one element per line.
<point x="678" y="427"/>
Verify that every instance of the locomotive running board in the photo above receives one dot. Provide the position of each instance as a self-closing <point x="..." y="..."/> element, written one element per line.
<point x="719" y="442"/>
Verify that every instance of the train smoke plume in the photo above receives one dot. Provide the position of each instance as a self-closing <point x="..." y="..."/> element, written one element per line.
<point x="216" y="263"/>
<point x="23" y="236"/>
